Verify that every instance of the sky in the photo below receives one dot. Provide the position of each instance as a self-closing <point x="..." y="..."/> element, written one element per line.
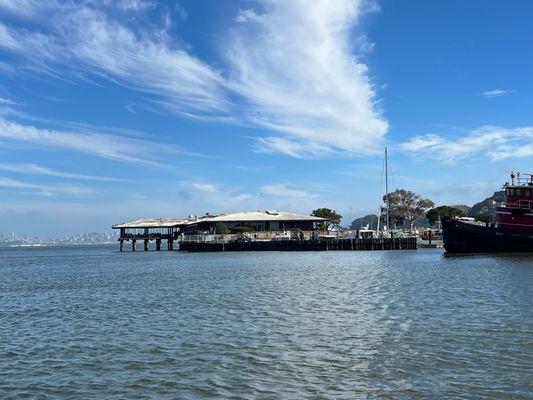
<point x="113" y="110"/>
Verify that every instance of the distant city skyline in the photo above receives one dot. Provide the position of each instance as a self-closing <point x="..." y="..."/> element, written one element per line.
<point x="112" y="111"/>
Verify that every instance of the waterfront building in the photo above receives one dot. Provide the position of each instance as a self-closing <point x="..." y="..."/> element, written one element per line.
<point x="259" y="225"/>
<point x="252" y="221"/>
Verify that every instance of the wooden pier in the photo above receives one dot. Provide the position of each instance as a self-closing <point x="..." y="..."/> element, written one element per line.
<point x="201" y="234"/>
<point x="304" y="245"/>
<point x="149" y="230"/>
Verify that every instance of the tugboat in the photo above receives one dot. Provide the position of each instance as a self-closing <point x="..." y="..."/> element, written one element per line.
<point x="510" y="231"/>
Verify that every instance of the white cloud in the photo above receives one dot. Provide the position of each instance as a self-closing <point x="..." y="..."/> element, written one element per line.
<point x="242" y="197"/>
<point x="87" y="40"/>
<point x="282" y="190"/>
<point x="292" y="69"/>
<point x="293" y="148"/>
<point x="492" y="142"/>
<point x="34" y="169"/>
<point x="150" y="64"/>
<point x="4" y="101"/>
<point x="294" y="66"/>
<point x="47" y="190"/>
<point x="7" y="40"/>
<point x="219" y="194"/>
<point x="97" y="144"/>
<point x="247" y="16"/>
<point x="204" y="187"/>
<point x="496" y="92"/>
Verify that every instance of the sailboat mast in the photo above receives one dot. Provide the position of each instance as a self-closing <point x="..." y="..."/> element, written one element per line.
<point x="387" y="187"/>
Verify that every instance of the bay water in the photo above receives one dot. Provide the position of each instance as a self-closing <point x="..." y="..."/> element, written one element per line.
<point x="90" y="322"/>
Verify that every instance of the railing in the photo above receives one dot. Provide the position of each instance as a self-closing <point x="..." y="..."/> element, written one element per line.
<point x="522" y="181"/>
<point x="251" y="237"/>
<point x="148" y="236"/>
<point x="208" y="238"/>
<point x="524" y="204"/>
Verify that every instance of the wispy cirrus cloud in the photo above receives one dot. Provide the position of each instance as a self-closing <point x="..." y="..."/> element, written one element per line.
<point x="34" y="169"/>
<point x="89" y="41"/>
<point x="7" y="102"/>
<point x="290" y="68"/>
<point x="291" y="147"/>
<point x="47" y="190"/>
<point x="283" y="190"/>
<point x="214" y="191"/>
<point x="103" y="145"/>
<point x="496" y="92"/>
<point x="497" y="143"/>
<point x="204" y="187"/>
<point x="295" y="65"/>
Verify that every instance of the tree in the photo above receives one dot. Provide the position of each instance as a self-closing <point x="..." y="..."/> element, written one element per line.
<point x="242" y="229"/>
<point x="331" y="215"/>
<point x="222" y="228"/>
<point x="406" y="205"/>
<point x="436" y="214"/>
<point x="483" y="217"/>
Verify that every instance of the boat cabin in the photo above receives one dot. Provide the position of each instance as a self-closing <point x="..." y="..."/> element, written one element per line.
<point x="516" y="212"/>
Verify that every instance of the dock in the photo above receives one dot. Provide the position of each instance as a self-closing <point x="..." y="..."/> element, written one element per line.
<point x="408" y="243"/>
<point x="160" y="230"/>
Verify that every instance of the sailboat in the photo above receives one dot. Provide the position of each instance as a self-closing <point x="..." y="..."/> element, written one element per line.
<point x="385" y="230"/>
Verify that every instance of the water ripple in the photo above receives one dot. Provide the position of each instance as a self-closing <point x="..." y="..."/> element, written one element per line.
<point x="94" y="323"/>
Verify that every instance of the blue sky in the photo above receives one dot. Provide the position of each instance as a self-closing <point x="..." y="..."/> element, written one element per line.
<point x="115" y="110"/>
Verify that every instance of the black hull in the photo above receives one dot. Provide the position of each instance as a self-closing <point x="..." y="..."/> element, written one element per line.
<point x="462" y="237"/>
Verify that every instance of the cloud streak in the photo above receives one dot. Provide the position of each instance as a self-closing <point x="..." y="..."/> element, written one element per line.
<point x="496" y="92"/>
<point x="96" y="144"/>
<point x="294" y="64"/>
<point x="497" y="143"/>
<point x="292" y="68"/>
<point x="47" y="190"/>
<point x="282" y="190"/>
<point x="34" y="169"/>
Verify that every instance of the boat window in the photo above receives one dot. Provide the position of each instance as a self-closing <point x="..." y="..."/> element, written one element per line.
<point x="512" y="192"/>
<point x="519" y="192"/>
<point x="528" y="193"/>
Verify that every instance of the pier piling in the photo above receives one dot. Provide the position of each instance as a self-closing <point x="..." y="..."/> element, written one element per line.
<point x="408" y="243"/>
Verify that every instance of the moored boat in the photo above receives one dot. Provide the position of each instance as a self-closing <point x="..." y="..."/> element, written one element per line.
<point x="510" y="231"/>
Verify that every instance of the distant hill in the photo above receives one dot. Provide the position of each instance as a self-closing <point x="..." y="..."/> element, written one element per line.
<point x="423" y="222"/>
<point x="370" y="220"/>
<point x="462" y="207"/>
<point x="488" y="205"/>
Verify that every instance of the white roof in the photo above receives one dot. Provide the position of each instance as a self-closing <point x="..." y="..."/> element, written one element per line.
<point x="152" y="223"/>
<point x="243" y="216"/>
<point x="251" y="216"/>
